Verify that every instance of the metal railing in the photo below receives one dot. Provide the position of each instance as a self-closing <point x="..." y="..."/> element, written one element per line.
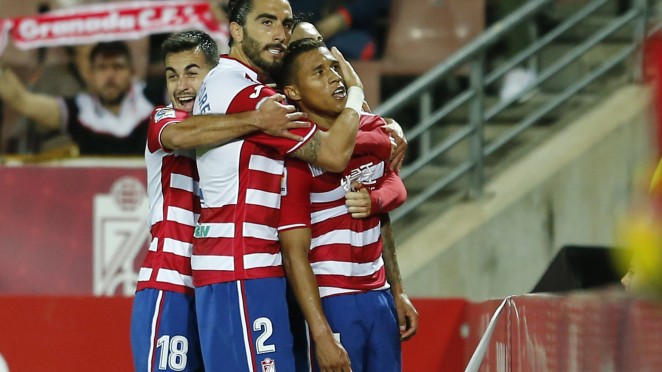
<point x="473" y="56"/>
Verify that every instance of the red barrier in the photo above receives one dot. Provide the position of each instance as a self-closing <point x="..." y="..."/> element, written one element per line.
<point x="82" y="231"/>
<point x="92" y="334"/>
<point x="590" y="331"/>
<point x="586" y="331"/>
<point x="438" y="345"/>
<point x="65" y="334"/>
<point x="653" y="76"/>
<point x="71" y="230"/>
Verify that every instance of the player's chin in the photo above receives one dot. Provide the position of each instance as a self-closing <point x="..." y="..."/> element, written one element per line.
<point x="338" y="105"/>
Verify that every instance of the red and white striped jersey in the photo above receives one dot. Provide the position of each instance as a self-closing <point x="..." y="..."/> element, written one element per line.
<point x="237" y="236"/>
<point x="345" y="252"/>
<point x="174" y="206"/>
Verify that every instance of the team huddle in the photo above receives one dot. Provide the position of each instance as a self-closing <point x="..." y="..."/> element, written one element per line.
<point x="271" y="247"/>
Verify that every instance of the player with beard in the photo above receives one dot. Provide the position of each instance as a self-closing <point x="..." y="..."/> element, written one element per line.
<point x="110" y="119"/>
<point x="237" y="266"/>
<point x="164" y="333"/>
<point x="329" y="254"/>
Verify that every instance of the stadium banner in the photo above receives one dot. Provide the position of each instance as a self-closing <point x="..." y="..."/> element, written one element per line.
<point x="72" y="230"/>
<point x="88" y="24"/>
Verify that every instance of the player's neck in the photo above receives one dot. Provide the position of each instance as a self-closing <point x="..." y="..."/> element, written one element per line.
<point x="322" y="120"/>
<point x="240" y="56"/>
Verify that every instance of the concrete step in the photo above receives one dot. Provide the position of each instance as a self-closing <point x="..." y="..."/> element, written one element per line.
<point x="426" y="176"/>
<point x="588" y="27"/>
<point x="564" y="8"/>
<point x="580" y="67"/>
<point x="513" y="113"/>
<point x="531" y="138"/>
<point x="456" y="192"/>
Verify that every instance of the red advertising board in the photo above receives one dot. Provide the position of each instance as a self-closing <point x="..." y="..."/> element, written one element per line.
<point x="72" y="235"/>
<point x="71" y="230"/>
<point x="65" y="333"/>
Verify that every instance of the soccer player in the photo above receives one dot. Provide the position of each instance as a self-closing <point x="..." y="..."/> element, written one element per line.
<point x="345" y="258"/>
<point x="237" y="266"/>
<point x="164" y="333"/>
<point x="305" y="30"/>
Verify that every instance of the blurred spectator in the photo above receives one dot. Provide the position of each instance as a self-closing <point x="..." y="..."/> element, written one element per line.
<point x="110" y="119"/>
<point x="74" y="72"/>
<point x="355" y="27"/>
<point x="66" y="78"/>
<point x="641" y="233"/>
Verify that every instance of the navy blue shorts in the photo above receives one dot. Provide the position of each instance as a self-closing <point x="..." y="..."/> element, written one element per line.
<point x="164" y="332"/>
<point x="244" y="326"/>
<point x="366" y="324"/>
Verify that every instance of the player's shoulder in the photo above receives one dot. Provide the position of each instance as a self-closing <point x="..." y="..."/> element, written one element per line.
<point x="230" y="75"/>
<point x="370" y="119"/>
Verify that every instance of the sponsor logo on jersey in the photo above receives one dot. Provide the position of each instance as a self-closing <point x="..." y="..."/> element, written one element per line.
<point x="268" y="365"/>
<point x="362" y="175"/>
<point x="164" y="113"/>
<point x="201" y="231"/>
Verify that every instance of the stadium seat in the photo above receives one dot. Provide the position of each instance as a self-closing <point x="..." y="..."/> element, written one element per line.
<point x="421" y="34"/>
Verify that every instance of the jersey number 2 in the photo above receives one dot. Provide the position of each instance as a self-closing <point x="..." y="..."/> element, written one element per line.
<point x="264" y="325"/>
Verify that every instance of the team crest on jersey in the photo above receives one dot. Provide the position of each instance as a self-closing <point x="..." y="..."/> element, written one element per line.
<point x="165" y="113"/>
<point x="268" y="365"/>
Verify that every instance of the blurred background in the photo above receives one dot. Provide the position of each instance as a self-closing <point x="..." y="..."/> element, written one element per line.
<point x="534" y="141"/>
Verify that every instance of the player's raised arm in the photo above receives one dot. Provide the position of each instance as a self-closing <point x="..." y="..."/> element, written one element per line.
<point x="45" y="110"/>
<point x="401" y="144"/>
<point x="273" y="118"/>
<point x="309" y="62"/>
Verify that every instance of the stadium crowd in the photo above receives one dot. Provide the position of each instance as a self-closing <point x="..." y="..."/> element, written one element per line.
<point x="60" y="78"/>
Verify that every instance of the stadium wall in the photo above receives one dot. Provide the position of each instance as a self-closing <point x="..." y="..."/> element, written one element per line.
<point x="582" y="331"/>
<point x="573" y="189"/>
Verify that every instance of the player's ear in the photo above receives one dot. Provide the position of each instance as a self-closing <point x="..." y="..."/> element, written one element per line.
<point x="237" y="32"/>
<point x="292" y="93"/>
